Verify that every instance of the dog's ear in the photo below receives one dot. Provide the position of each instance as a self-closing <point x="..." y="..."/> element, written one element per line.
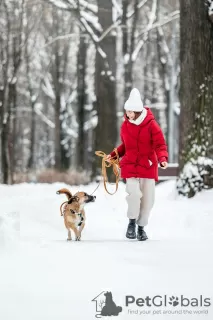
<point x="66" y="192"/>
<point x="73" y="199"/>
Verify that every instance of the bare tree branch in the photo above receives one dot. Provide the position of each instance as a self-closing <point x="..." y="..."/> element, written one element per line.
<point x="152" y="18"/>
<point x="173" y="16"/>
<point x="139" y="6"/>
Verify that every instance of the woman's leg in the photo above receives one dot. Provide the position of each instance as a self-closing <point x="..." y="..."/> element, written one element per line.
<point x="133" y="198"/>
<point x="147" y="187"/>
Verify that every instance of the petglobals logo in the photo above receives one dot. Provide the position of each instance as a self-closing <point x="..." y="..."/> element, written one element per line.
<point x="166" y="301"/>
<point x="106" y="305"/>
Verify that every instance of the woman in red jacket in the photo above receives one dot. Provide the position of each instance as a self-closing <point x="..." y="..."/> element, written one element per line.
<point x="143" y="147"/>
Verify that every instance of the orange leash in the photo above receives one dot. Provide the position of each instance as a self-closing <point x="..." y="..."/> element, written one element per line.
<point x="114" y="162"/>
<point x="62" y="206"/>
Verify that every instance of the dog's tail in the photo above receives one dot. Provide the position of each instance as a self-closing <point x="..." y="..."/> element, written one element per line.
<point x="66" y="192"/>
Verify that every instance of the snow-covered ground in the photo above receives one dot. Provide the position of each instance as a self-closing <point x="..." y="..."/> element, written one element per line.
<point x="44" y="277"/>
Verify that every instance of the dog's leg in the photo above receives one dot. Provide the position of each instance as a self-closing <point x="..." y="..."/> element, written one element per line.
<point x="80" y="230"/>
<point x="69" y="238"/>
<point x="74" y="228"/>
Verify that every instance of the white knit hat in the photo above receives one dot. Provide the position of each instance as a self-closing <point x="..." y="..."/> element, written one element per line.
<point x="134" y="103"/>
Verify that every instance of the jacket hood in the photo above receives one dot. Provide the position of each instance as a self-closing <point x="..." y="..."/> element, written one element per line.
<point x="148" y="118"/>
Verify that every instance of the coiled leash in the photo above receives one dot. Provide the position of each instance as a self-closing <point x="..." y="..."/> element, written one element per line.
<point x="114" y="162"/>
<point x="62" y="206"/>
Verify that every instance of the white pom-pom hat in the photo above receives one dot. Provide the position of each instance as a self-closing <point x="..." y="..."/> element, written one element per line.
<point x="134" y="103"/>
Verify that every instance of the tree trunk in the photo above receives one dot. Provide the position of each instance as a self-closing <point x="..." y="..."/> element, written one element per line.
<point x="62" y="157"/>
<point x="125" y="48"/>
<point x="5" y="149"/>
<point x="12" y="130"/>
<point x="31" y="161"/>
<point x="196" y="58"/>
<point x="57" y="133"/>
<point x="128" y="50"/>
<point x="105" y="87"/>
<point x="196" y="99"/>
<point x="81" y="74"/>
<point x="4" y="133"/>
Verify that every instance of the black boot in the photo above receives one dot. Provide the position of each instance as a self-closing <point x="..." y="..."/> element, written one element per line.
<point x="141" y="234"/>
<point x="131" y="234"/>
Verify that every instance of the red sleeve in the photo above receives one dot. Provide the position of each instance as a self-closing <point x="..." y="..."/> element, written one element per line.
<point x="120" y="148"/>
<point x="159" y="142"/>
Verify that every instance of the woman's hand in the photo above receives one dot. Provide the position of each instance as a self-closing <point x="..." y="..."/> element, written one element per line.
<point x="164" y="164"/>
<point x="108" y="158"/>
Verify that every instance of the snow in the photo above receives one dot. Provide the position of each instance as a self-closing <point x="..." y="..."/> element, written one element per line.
<point x="139" y="6"/>
<point x="47" y="88"/>
<point x="210" y="7"/>
<point x="192" y="178"/>
<point x="60" y="4"/>
<point x="91" y="123"/>
<point x="45" y="277"/>
<point x="92" y="7"/>
<point x="14" y="80"/>
<point x="92" y="19"/>
<point x="177" y="108"/>
<point x="72" y="133"/>
<point x="38" y="111"/>
<point x="89" y="29"/>
<point x="117" y="6"/>
<point x="126" y="58"/>
<point x="116" y="11"/>
<point x="102" y="53"/>
<point x="137" y="50"/>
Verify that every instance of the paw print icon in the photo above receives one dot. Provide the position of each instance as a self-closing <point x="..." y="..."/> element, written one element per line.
<point x="174" y="301"/>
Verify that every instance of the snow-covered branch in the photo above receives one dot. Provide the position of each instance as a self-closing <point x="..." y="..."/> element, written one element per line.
<point x="72" y="5"/>
<point x="66" y="36"/>
<point x="43" y="117"/>
<point x="108" y="30"/>
<point x="47" y="88"/>
<point x="117" y="7"/>
<point x="139" y="6"/>
<point x="89" y="29"/>
<point x="59" y="4"/>
<point x="92" y="19"/>
<point x="168" y="18"/>
<point x="152" y="18"/>
<point x="90" y="7"/>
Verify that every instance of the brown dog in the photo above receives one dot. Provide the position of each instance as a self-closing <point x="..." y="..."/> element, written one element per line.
<point x="73" y="212"/>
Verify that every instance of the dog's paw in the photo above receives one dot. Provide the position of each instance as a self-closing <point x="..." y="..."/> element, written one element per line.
<point x="69" y="239"/>
<point x="78" y="238"/>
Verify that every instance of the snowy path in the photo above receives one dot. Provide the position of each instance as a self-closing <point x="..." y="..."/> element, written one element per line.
<point x="44" y="277"/>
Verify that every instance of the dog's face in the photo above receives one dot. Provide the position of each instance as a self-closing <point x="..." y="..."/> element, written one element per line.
<point x="82" y="198"/>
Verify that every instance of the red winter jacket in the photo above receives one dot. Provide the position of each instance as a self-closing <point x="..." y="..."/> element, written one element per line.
<point x="143" y="146"/>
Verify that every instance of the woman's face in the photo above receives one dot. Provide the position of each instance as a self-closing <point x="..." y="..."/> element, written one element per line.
<point x="130" y="115"/>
